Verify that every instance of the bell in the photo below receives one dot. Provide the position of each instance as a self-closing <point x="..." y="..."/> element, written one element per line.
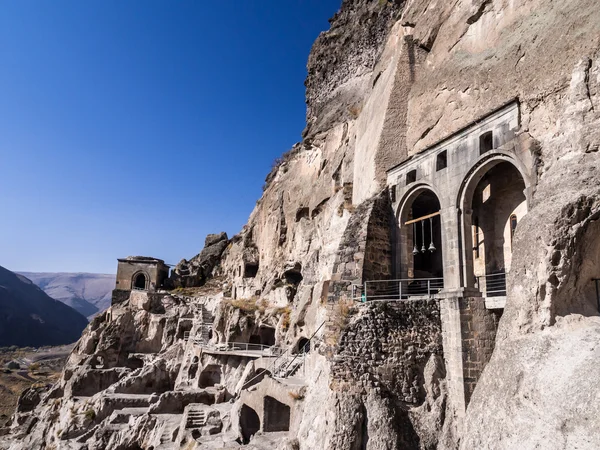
<point x="431" y="246"/>
<point x="415" y="249"/>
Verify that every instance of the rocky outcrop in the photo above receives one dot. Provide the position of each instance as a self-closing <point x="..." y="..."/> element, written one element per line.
<point x="543" y="370"/>
<point x="196" y="271"/>
<point x="388" y="80"/>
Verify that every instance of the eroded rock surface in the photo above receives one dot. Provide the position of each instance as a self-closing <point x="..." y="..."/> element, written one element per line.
<point x="277" y="350"/>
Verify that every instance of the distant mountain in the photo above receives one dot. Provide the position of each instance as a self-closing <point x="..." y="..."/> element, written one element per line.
<point x="29" y="317"/>
<point x="88" y="293"/>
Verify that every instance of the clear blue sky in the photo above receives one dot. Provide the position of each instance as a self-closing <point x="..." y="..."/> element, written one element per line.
<point x="137" y="127"/>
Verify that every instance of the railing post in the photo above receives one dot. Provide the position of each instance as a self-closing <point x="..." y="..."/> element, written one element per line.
<point x="428" y="287"/>
<point x="365" y="291"/>
<point x="400" y="290"/>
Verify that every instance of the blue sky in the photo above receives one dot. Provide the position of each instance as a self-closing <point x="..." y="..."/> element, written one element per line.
<point x="137" y="127"/>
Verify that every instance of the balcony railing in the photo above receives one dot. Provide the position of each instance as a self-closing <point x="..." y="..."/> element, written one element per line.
<point x="493" y="285"/>
<point x="396" y="290"/>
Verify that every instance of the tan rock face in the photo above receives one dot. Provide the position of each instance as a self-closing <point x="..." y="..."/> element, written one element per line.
<point x="388" y="80"/>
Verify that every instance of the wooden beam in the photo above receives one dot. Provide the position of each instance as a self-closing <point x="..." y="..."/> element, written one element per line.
<point x="419" y="219"/>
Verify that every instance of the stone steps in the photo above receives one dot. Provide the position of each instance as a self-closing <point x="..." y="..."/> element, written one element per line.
<point x="196" y="418"/>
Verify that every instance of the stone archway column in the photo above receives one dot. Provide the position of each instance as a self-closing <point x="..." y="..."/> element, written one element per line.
<point x="467" y="269"/>
<point x="451" y="248"/>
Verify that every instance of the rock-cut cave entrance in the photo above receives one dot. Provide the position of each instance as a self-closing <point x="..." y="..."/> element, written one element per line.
<point x="210" y="376"/>
<point x="249" y="423"/>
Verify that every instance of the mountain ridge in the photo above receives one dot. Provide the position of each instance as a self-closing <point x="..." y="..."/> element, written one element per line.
<point x="86" y="292"/>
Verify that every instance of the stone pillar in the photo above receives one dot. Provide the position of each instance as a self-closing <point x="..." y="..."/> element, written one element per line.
<point x="467" y="249"/>
<point x="453" y="352"/>
<point x="451" y="247"/>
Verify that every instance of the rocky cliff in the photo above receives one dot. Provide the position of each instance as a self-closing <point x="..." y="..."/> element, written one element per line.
<point x="196" y="366"/>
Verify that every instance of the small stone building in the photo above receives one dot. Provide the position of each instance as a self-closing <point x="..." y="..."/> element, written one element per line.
<point x="141" y="273"/>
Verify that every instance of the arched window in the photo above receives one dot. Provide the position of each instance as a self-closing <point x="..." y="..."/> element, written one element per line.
<point x="139" y="281"/>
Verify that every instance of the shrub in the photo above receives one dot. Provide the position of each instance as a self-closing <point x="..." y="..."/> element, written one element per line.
<point x="90" y="414"/>
<point x="296" y="395"/>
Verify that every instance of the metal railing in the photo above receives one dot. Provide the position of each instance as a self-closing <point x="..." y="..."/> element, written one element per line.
<point x="402" y="289"/>
<point x="267" y="350"/>
<point x="492" y="285"/>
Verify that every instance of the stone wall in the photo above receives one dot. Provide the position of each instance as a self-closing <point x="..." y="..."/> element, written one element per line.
<point x="155" y="271"/>
<point x="478" y="331"/>
<point x="389" y="345"/>
<point x="378" y="263"/>
<point x="120" y="296"/>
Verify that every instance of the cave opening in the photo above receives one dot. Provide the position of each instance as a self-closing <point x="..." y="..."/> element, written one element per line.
<point x="267" y="335"/>
<point x="249" y="423"/>
<point x="210" y="376"/>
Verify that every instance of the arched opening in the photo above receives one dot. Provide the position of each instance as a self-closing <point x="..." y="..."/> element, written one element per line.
<point x="267" y="336"/>
<point x="254" y="339"/>
<point x="140" y="281"/>
<point x="277" y="415"/>
<point x="494" y="203"/>
<point x="420" y="245"/>
<point x="249" y="423"/>
<point x="210" y="376"/>
<point x="303" y="345"/>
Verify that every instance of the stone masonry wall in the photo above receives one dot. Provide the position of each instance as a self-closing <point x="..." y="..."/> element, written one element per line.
<point x="378" y="249"/>
<point x="478" y="330"/>
<point x="386" y="346"/>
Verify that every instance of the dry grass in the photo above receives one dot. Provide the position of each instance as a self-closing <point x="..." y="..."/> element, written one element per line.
<point x="296" y="395"/>
<point x="355" y="110"/>
<point x="249" y="305"/>
<point x="340" y="318"/>
<point x="14" y="382"/>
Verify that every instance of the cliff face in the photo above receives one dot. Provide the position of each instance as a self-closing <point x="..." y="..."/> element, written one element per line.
<point x="386" y="82"/>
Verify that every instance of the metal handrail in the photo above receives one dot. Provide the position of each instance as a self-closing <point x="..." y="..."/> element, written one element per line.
<point x="276" y="368"/>
<point x="396" y="290"/>
<point x="492" y="285"/>
<point x="246" y="347"/>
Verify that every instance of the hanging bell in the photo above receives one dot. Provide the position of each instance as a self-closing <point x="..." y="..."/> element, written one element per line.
<point x="415" y="249"/>
<point x="431" y="246"/>
<point x="423" y="248"/>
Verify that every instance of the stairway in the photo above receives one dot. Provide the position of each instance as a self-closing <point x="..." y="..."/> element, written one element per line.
<point x="288" y="365"/>
<point x="206" y="322"/>
<point x="166" y="437"/>
<point x="196" y="418"/>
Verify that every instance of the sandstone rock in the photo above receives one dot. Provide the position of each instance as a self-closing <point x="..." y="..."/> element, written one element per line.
<point x="195" y="272"/>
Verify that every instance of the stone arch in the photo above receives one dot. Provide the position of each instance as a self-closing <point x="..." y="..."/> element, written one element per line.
<point x="425" y="264"/>
<point x="303" y="345"/>
<point x="249" y="423"/>
<point x="139" y="281"/>
<point x="470" y="239"/>
<point x="277" y="415"/>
